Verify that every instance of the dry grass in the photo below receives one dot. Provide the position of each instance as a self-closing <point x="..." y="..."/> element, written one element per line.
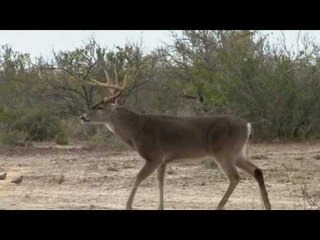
<point x="259" y="157"/>
<point x="103" y="179"/>
<point x="311" y="201"/>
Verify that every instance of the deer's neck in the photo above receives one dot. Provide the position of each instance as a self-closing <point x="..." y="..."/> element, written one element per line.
<point x="123" y="123"/>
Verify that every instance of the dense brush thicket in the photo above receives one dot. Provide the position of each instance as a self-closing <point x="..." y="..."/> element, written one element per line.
<point x="201" y="73"/>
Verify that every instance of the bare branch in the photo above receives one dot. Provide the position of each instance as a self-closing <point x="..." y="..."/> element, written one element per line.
<point x="139" y="84"/>
<point x="129" y="91"/>
<point x="72" y="90"/>
<point x="89" y="70"/>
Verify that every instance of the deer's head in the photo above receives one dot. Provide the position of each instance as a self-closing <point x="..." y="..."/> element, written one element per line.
<point x="100" y="112"/>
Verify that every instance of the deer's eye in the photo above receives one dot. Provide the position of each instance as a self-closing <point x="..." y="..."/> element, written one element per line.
<point x="99" y="108"/>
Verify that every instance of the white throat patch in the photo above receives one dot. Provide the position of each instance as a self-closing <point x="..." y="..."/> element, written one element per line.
<point x="110" y="127"/>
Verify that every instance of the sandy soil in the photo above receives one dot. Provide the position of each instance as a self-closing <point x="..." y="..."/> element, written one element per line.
<point x="103" y="179"/>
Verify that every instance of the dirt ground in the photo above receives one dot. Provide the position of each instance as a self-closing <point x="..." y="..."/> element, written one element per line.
<point x="102" y="179"/>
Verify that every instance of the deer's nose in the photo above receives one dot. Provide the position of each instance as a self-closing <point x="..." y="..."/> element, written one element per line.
<point x="82" y="118"/>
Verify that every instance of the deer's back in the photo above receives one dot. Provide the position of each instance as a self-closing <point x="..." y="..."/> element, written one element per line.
<point x="192" y="137"/>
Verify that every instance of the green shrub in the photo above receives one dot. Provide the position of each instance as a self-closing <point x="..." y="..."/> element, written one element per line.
<point x="104" y="139"/>
<point x="19" y="127"/>
<point x="97" y="141"/>
<point x="39" y="124"/>
<point x="14" y="137"/>
<point x="61" y="139"/>
<point x="72" y="129"/>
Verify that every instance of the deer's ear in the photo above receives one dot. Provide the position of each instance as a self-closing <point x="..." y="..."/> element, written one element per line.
<point x="120" y="101"/>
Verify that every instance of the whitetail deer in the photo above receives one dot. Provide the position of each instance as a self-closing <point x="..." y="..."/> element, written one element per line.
<point x="163" y="139"/>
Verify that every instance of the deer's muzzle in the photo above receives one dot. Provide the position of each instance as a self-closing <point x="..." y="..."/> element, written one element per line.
<point x="82" y="118"/>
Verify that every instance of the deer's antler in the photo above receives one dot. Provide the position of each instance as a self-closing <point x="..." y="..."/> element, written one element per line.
<point x="108" y="83"/>
<point x="113" y="90"/>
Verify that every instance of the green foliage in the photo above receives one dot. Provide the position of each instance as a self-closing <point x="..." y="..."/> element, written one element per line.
<point x="14" y="137"/>
<point x="61" y="139"/>
<point x="201" y="73"/>
<point x="105" y="140"/>
<point x="96" y="141"/>
<point x="238" y="72"/>
<point x="38" y="124"/>
<point x="28" y="125"/>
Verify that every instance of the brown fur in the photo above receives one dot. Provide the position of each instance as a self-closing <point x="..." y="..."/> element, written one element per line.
<point x="162" y="139"/>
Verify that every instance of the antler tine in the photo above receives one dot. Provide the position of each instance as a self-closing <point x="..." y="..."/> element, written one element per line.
<point x="109" y="99"/>
<point x="96" y="83"/>
<point x="116" y="75"/>
<point x="107" y="76"/>
<point x="125" y="81"/>
<point x="108" y="83"/>
<point x="105" y="85"/>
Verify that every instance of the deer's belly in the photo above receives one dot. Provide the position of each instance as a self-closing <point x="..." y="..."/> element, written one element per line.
<point x="177" y="155"/>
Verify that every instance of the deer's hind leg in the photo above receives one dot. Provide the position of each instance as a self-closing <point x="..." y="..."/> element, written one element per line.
<point x="226" y="164"/>
<point x="257" y="173"/>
